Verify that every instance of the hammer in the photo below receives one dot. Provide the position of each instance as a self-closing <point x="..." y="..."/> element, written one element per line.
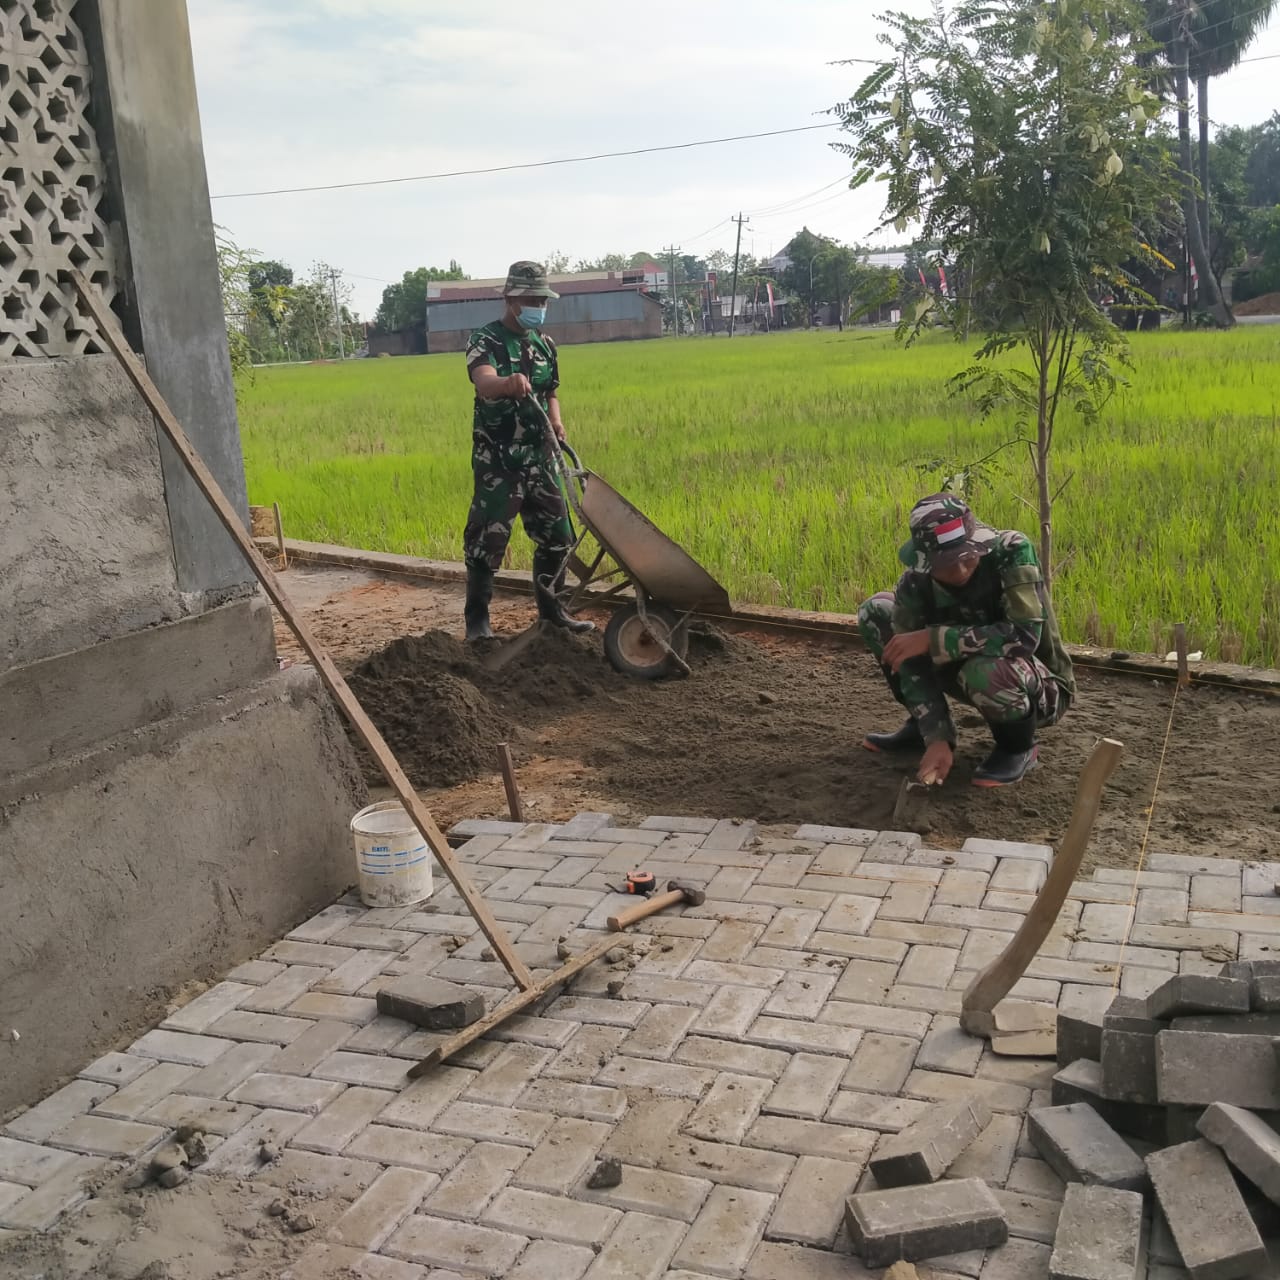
<point x="676" y="893"/>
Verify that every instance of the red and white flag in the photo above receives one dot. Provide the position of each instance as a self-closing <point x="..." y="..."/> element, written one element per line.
<point x="768" y="288"/>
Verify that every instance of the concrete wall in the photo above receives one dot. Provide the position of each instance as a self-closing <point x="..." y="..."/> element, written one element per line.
<point x="87" y="553"/>
<point x="171" y="852"/>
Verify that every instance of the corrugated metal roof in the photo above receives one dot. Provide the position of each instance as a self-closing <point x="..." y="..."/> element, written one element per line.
<point x="584" y="307"/>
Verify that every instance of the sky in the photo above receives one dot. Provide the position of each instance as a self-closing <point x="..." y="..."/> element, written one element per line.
<point x="309" y="92"/>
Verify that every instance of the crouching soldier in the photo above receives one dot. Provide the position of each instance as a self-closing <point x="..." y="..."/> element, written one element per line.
<point x="969" y="619"/>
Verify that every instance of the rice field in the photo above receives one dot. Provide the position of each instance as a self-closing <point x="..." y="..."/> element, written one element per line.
<point x="787" y="464"/>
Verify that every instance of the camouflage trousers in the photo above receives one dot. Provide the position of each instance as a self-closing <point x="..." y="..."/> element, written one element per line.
<point x="1001" y="690"/>
<point x="509" y="482"/>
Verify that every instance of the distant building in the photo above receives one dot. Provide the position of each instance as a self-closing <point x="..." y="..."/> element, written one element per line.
<point x="594" y="306"/>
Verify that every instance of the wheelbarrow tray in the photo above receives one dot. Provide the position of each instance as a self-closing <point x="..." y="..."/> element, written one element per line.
<point x="666" y="572"/>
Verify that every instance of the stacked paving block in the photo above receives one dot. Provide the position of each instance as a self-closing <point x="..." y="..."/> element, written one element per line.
<point x="914" y="1214"/>
<point x="1191" y="1076"/>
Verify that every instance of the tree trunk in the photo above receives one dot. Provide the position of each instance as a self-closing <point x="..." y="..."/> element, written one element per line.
<point x="1190" y="212"/>
<point x="1202" y="112"/>
<point x="1042" y="474"/>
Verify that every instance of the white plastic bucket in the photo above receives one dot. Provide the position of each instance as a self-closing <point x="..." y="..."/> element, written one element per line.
<point x="393" y="863"/>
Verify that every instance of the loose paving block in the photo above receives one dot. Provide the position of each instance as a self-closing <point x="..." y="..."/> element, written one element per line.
<point x="1251" y="1144"/>
<point x="1079" y="1035"/>
<point x="1265" y="993"/>
<point x="924" y="1151"/>
<point x="430" y="1003"/>
<point x="1206" y="1212"/>
<point x="1247" y="1024"/>
<point x="1081" y="1146"/>
<point x="912" y="1223"/>
<point x="1189" y="993"/>
<point x="1099" y="1235"/>
<point x="1082" y="1082"/>
<point x="1197" y="1068"/>
<point x="1129" y="1052"/>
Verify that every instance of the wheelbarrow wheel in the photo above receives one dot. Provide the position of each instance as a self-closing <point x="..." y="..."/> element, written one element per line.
<point x="630" y="646"/>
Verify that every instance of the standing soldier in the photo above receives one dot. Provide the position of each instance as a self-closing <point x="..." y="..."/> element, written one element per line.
<point x="970" y="619"/>
<point x="509" y="362"/>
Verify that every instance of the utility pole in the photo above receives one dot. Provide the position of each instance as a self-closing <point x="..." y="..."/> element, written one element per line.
<point x="671" y="252"/>
<point x="337" y="314"/>
<point x="733" y="292"/>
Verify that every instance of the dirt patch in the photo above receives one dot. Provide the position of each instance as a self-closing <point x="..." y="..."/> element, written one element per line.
<point x="210" y="1228"/>
<point x="769" y="728"/>
<point x="1266" y="305"/>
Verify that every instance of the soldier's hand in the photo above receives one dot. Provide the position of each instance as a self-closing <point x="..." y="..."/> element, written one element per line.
<point x="937" y="762"/>
<point x="558" y="428"/>
<point x="517" y="386"/>
<point x="905" y="646"/>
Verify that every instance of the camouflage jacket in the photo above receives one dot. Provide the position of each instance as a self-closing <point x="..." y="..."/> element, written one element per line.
<point x="1003" y="611"/>
<point x="504" y="423"/>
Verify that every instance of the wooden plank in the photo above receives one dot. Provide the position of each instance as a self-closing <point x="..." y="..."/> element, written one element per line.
<point x="995" y="981"/>
<point x="515" y="805"/>
<point x="109" y="331"/>
<point x="1180" y="649"/>
<point x="512" y="1006"/>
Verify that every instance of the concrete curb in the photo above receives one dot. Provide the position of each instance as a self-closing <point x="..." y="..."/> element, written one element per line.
<point x="840" y="626"/>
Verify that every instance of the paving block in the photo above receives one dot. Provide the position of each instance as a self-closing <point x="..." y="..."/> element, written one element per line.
<point x="1079" y="1035"/>
<point x="1080" y="1146"/>
<point x="1189" y="993"/>
<point x="924" y="1151"/>
<point x="1265" y="993"/>
<point x="1197" y="1068"/>
<point x="1129" y="1052"/>
<point x="430" y="1003"/>
<point x="912" y="1223"/>
<point x="1082" y="1082"/>
<point x="1205" y="1211"/>
<point x="1246" y="1024"/>
<point x="1251" y="1144"/>
<point x="725" y="1233"/>
<point x="1099" y="1235"/>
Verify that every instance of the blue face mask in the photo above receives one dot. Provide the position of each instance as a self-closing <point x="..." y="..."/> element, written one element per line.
<point x="532" y="317"/>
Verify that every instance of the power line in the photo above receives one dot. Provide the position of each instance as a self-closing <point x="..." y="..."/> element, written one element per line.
<point x="532" y="164"/>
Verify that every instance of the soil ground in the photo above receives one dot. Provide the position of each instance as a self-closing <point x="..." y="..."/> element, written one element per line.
<point x="769" y="727"/>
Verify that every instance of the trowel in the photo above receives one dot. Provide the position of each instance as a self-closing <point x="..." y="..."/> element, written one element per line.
<point x="911" y="810"/>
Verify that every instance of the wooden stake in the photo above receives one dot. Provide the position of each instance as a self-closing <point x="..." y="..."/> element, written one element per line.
<point x="997" y="979"/>
<point x="1180" y="648"/>
<point x="514" y="1005"/>
<point x="284" y="559"/>
<point x="514" y="803"/>
<point x="109" y="332"/>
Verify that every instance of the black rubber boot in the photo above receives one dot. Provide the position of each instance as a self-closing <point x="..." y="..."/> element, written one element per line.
<point x="476" y="611"/>
<point x="1014" y="756"/>
<point x="905" y="739"/>
<point x="548" y="580"/>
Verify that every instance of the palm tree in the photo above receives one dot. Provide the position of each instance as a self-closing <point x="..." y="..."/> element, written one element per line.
<point x="1224" y="30"/>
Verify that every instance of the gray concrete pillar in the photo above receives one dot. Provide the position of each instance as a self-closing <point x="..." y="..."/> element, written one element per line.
<point x="148" y="125"/>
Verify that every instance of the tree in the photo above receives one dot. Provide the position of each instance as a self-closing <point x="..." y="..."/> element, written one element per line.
<point x="234" y="266"/>
<point x="403" y="305"/>
<point x="606" y="262"/>
<point x="556" y="263"/>
<point x="1223" y="31"/>
<point x="1016" y="134"/>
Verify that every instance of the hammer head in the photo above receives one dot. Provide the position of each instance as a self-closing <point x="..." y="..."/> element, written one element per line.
<point x="693" y="896"/>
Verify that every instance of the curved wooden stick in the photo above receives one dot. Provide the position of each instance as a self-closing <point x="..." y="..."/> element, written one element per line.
<point x="997" y="979"/>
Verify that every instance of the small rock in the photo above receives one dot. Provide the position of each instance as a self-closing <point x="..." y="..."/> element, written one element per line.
<point x="766" y="697"/>
<point x="155" y="1271"/>
<point x="268" y="1153"/>
<point x="608" y="1173"/>
<point x="948" y="861"/>
<point x="133" y="1208"/>
<point x="278" y="1208"/>
<point x="137" y="1179"/>
<point x="614" y="989"/>
<point x="1120" y="655"/>
<point x="300" y="1222"/>
<point x="197" y="1150"/>
<point x="487" y="954"/>
<point x="174" y="1177"/>
<point x="563" y="951"/>
<point x="168" y="1157"/>
<point x="564" y="937"/>
<point x="185" y="1132"/>
<point x="1217" y="953"/>
<point x="616" y="955"/>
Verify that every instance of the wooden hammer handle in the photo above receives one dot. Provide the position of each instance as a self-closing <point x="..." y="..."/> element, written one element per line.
<point x="659" y="902"/>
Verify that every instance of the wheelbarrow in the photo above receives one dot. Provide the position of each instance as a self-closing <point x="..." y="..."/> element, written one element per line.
<point x="648" y="635"/>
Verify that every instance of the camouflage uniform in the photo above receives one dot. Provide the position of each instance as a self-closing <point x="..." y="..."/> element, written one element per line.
<point x="993" y="643"/>
<point x="514" y="471"/>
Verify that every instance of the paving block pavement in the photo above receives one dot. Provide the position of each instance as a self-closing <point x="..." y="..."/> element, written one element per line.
<point x="760" y="1050"/>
